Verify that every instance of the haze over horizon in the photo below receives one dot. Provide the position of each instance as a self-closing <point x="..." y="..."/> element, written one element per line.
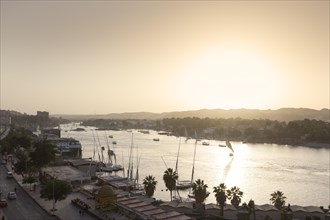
<point x="84" y="57"/>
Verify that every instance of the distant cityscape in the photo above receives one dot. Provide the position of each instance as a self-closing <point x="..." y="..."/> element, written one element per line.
<point x="306" y="127"/>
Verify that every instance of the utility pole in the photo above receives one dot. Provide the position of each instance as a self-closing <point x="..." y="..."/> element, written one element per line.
<point x="53" y="195"/>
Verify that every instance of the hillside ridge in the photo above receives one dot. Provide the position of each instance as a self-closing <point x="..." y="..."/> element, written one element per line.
<point x="282" y="114"/>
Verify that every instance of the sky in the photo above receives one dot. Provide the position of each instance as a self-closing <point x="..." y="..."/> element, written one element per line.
<point x="99" y="57"/>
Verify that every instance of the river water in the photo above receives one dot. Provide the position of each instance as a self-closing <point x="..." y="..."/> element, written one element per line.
<point x="301" y="173"/>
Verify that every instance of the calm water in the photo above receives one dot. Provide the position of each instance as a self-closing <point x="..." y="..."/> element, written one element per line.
<point x="302" y="173"/>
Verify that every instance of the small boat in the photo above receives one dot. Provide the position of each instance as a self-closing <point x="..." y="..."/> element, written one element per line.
<point x="79" y="129"/>
<point x="111" y="168"/>
<point x="205" y="143"/>
<point x="156" y="139"/>
<point x="163" y="133"/>
<point x="184" y="184"/>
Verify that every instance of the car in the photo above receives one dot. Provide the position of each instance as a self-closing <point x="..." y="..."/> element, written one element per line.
<point x="3" y="162"/>
<point x="11" y="195"/>
<point x="3" y="203"/>
<point x="9" y="175"/>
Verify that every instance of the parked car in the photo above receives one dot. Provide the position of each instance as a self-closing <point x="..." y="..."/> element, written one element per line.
<point x="11" y="195"/>
<point x="9" y="175"/>
<point x="3" y="203"/>
<point x="3" y="162"/>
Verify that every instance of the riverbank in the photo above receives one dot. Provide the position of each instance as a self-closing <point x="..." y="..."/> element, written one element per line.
<point x="291" y="143"/>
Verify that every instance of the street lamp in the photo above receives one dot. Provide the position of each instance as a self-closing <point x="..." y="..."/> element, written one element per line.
<point x="89" y="169"/>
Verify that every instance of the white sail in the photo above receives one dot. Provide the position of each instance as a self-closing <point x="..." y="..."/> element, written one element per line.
<point x="229" y="146"/>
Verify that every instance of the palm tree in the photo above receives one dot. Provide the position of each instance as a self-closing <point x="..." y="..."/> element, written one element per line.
<point x="199" y="190"/>
<point x="170" y="177"/>
<point x="235" y="196"/>
<point x="278" y="199"/>
<point x="220" y="195"/>
<point x="252" y="208"/>
<point x="149" y="185"/>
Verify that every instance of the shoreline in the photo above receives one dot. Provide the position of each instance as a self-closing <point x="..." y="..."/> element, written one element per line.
<point x="307" y="144"/>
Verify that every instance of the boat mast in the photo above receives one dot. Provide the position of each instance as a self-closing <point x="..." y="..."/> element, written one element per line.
<point x="177" y="159"/>
<point x="137" y="172"/>
<point x="97" y="148"/>
<point x="193" y="168"/>
<point x="122" y="155"/>
<point x="130" y="162"/>
<point x="98" y="139"/>
<point x="109" y="152"/>
<point x="93" y="146"/>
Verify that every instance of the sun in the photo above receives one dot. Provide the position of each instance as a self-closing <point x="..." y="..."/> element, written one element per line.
<point x="229" y="78"/>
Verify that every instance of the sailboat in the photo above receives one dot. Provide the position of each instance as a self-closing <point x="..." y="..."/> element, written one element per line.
<point x="100" y="163"/>
<point x="181" y="184"/>
<point x="228" y="144"/>
<point x="137" y="189"/>
<point x="191" y="195"/>
<point x="110" y="166"/>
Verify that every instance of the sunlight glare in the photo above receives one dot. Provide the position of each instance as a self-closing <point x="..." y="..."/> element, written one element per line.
<point x="229" y="78"/>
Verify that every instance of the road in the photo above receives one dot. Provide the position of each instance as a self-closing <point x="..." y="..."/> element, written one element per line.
<point x="4" y="133"/>
<point x="22" y="208"/>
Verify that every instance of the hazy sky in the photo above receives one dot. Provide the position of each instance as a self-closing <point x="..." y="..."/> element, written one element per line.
<point x="105" y="56"/>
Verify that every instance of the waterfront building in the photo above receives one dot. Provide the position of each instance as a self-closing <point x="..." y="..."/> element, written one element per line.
<point x="67" y="147"/>
<point x="65" y="173"/>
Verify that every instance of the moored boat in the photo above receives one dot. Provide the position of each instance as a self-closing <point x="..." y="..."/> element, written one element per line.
<point x="183" y="184"/>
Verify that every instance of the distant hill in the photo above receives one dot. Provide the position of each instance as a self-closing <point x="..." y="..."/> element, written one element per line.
<point x="283" y="114"/>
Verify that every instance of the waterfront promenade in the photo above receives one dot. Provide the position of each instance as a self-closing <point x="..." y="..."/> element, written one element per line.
<point x="65" y="210"/>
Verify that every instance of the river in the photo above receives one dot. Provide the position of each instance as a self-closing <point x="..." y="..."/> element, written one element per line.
<point x="301" y="173"/>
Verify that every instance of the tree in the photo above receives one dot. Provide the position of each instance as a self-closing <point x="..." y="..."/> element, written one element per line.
<point x="235" y="195"/>
<point x="199" y="190"/>
<point x="252" y="208"/>
<point x="17" y="137"/>
<point x="43" y="154"/>
<point x="30" y="178"/>
<point x="170" y="177"/>
<point x="149" y="185"/>
<point x="220" y="195"/>
<point x="23" y="165"/>
<point x="56" y="190"/>
<point x="278" y="199"/>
